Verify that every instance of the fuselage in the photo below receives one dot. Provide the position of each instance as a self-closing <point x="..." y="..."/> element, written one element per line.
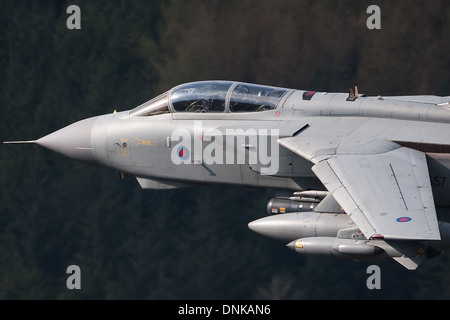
<point x="226" y="132"/>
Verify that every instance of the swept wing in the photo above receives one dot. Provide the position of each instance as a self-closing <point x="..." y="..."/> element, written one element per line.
<point x="383" y="187"/>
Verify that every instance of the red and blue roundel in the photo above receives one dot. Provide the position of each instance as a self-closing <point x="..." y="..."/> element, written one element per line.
<point x="403" y="219"/>
<point x="183" y="153"/>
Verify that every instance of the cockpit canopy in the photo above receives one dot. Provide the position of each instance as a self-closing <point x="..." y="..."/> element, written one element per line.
<point x="213" y="97"/>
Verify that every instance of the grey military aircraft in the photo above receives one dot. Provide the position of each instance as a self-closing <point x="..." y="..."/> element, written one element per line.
<point x="368" y="175"/>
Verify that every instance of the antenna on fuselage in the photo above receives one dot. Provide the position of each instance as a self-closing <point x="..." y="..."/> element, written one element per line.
<point x="353" y="94"/>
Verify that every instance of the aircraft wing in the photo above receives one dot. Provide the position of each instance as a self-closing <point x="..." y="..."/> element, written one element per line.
<point x="383" y="187"/>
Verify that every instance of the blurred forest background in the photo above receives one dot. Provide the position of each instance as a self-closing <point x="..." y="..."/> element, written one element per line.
<point x="186" y="243"/>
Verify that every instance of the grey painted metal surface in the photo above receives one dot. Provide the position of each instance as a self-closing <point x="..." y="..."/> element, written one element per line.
<point x="374" y="170"/>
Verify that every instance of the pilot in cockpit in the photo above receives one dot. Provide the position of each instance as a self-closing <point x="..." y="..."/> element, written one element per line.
<point x="200" y="105"/>
<point x="209" y="100"/>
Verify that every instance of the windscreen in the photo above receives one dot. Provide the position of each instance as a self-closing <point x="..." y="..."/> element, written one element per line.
<point x="156" y="106"/>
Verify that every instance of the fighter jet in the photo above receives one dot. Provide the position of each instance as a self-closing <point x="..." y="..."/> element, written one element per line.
<point x="368" y="174"/>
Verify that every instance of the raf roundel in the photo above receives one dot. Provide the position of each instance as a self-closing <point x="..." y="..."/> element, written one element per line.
<point x="183" y="153"/>
<point x="403" y="219"/>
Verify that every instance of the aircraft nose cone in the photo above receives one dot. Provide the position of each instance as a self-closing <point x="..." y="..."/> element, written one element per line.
<point x="73" y="141"/>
